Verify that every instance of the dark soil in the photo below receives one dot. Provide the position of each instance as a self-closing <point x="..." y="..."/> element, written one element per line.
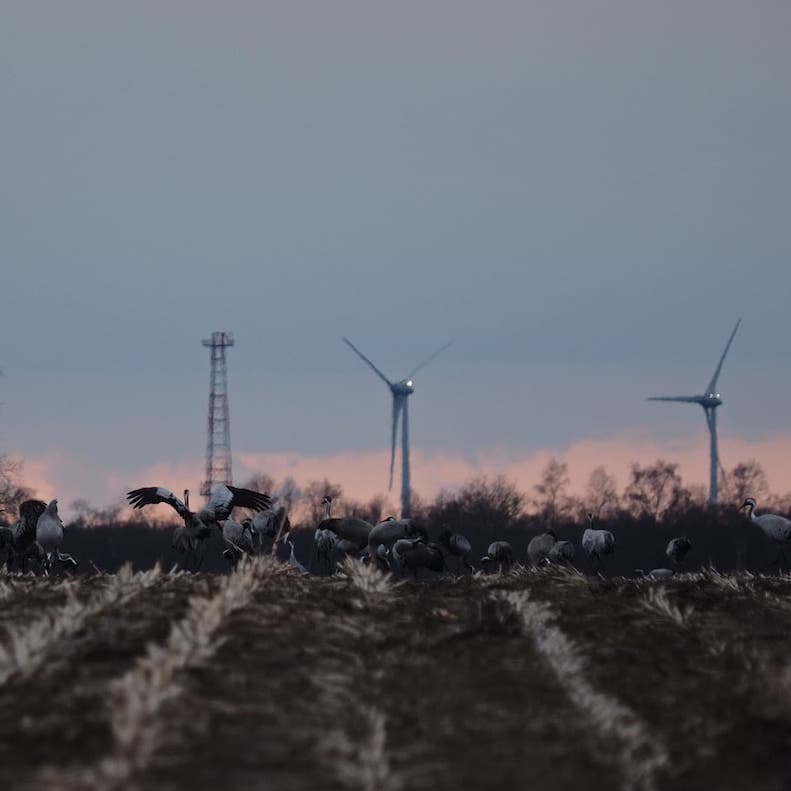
<point x="433" y="685"/>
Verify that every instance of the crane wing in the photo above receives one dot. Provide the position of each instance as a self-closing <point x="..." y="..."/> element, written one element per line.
<point x="29" y="513"/>
<point x="247" y="498"/>
<point x="151" y="495"/>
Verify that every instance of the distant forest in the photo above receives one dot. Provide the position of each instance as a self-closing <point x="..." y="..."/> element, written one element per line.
<point x="654" y="507"/>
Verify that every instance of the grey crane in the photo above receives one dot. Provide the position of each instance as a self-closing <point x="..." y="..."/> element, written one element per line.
<point x="656" y="574"/>
<point x="49" y="537"/>
<point x="561" y="552"/>
<point x="774" y="526"/>
<point x="292" y="558"/>
<point x="597" y="544"/>
<point x="20" y="537"/>
<point x="456" y="545"/>
<point x="181" y="540"/>
<point x="262" y="526"/>
<point x="199" y="525"/>
<point x="539" y="547"/>
<point x="390" y="530"/>
<point x="219" y="507"/>
<point x="677" y="549"/>
<point x="239" y="539"/>
<point x="413" y="554"/>
<point x="709" y="400"/>
<point x="400" y="391"/>
<point x="352" y="533"/>
<point x="499" y="552"/>
<point x="325" y="541"/>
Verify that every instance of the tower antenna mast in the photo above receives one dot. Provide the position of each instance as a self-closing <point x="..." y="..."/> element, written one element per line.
<point x="218" y="444"/>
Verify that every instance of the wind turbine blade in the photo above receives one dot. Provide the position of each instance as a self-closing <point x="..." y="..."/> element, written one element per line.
<point x="396" y="410"/>
<point x="685" y="399"/>
<point x="713" y="382"/>
<point x="366" y="360"/>
<point x="428" y="360"/>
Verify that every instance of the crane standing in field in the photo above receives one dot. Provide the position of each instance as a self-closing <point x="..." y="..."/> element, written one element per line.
<point x="412" y="554"/>
<point x="49" y="537"/>
<point x="597" y="544"/>
<point x="457" y="545"/>
<point x="774" y="526"/>
<point x="325" y="540"/>
<point x="352" y="531"/>
<point x="390" y="530"/>
<point x="561" y="552"/>
<point x="499" y="552"/>
<point x="540" y="546"/>
<point x="239" y="539"/>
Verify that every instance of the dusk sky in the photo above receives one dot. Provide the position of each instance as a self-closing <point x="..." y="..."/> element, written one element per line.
<point x="584" y="195"/>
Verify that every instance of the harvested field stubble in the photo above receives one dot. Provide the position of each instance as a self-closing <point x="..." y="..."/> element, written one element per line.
<point x="269" y="679"/>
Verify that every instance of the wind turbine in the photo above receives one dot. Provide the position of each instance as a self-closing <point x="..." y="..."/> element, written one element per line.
<point x="710" y="400"/>
<point x="401" y="391"/>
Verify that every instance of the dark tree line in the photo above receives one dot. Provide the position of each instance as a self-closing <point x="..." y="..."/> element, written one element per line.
<point x="652" y="508"/>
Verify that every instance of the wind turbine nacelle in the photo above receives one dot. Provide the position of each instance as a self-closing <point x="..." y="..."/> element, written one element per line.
<point x="404" y="387"/>
<point x="710" y="400"/>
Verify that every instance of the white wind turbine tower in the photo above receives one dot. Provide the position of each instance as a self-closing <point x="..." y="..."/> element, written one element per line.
<point x="710" y="400"/>
<point x="401" y="391"/>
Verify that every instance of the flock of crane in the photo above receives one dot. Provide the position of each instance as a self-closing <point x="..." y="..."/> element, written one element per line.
<point x="400" y="546"/>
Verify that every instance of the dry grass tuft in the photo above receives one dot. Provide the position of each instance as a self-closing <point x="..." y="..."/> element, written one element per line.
<point x="364" y="764"/>
<point x="367" y="577"/>
<point x="657" y="600"/>
<point x="741" y="582"/>
<point x="139" y="695"/>
<point x="640" y="753"/>
<point x="28" y="645"/>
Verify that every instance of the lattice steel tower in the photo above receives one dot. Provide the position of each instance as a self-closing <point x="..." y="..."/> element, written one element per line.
<point x="218" y="445"/>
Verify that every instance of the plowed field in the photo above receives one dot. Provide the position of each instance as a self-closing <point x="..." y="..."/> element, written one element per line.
<point x="269" y="679"/>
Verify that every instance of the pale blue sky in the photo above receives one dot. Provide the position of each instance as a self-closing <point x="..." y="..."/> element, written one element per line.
<point x="585" y="195"/>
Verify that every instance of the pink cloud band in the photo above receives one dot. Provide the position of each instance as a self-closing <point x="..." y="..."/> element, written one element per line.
<point x="364" y="474"/>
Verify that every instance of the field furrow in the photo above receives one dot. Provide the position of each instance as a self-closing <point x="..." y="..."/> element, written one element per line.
<point x="23" y="598"/>
<point x="54" y="715"/>
<point x="138" y="697"/>
<point x="269" y="679"/>
<point x="658" y="648"/>
<point x="338" y="685"/>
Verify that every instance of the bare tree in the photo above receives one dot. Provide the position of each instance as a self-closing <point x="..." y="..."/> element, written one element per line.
<point x="288" y="494"/>
<point x="746" y="479"/>
<point x="371" y="512"/>
<point x="601" y="493"/>
<point x="552" y="502"/>
<point x="488" y="504"/>
<point x="85" y="515"/>
<point x="656" y="490"/>
<point x="12" y="492"/>
<point x="261" y="482"/>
